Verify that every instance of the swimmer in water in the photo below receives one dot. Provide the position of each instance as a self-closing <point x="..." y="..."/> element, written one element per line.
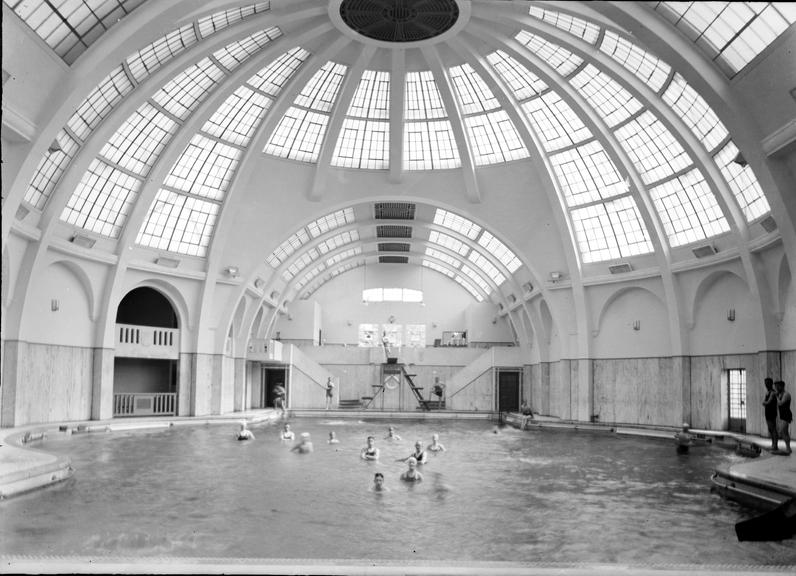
<point x="370" y="452"/>
<point x="287" y="433"/>
<point x="684" y="440"/>
<point x="411" y="474"/>
<point x="244" y="433"/>
<point x="333" y="438"/>
<point x="378" y="483"/>
<point x="304" y="446"/>
<point x="435" y="445"/>
<point x="391" y="435"/>
<point x="419" y="455"/>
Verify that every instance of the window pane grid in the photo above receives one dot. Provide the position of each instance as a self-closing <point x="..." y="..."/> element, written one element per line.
<point x="137" y="144"/>
<point x="731" y="33"/>
<point x="337" y="241"/>
<point x="648" y="68"/>
<point x="469" y="287"/>
<point x="430" y="145"/>
<point x="287" y="248"/>
<point x="69" y="27"/>
<point x="737" y="387"/>
<point x="99" y="103"/>
<point x="486" y="267"/>
<point x="211" y="24"/>
<point x="205" y="168"/>
<point x="688" y="209"/>
<point x="500" y="251"/>
<point x="564" y="61"/>
<point x="300" y="263"/>
<point x="611" y="230"/>
<point x="321" y="91"/>
<point x="50" y="169"/>
<point x="183" y="94"/>
<point x="586" y="174"/>
<point x="273" y="77"/>
<point x="330" y="222"/>
<point x="236" y="53"/>
<point x="695" y="112"/>
<point x="422" y="100"/>
<point x="743" y="183"/>
<point x="653" y="149"/>
<point x="363" y="144"/>
<point x="606" y="95"/>
<point x="456" y="223"/>
<point x="336" y="259"/>
<point x="102" y="200"/>
<point x="448" y="242"/>
<point x="555" y="122"/>
<point x="575" y="26"/>
<point x="298" y="136"/>
<point x="476" y="278"/>
<point x="144" y="62"/>
<point x="237" y="118"/>
<point x="494" y="138"/>
<point x="438" y="267"/>
<point x="521" y="81"/>
<point x="178" y="223"/>
<point x="372" y="97"/>
<point x="439" y="255"/>
<point x="473" y="93"/>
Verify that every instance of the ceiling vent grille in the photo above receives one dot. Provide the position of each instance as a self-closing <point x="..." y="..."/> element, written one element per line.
<point x="704" y="251"/>
<point x="167" y="262"/>
<point x="768" y="223"/>
<point x="393" y="247"/>
<point x="620" y="268"/>
<point x="390" y="231"/>
<point x="82" y="240"/>
<point x="394" y="211"/>
<point x="393" y="259"/>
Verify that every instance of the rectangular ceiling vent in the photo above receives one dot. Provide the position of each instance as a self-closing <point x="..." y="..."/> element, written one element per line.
<point x="81" y="240"/>
<point x="167" y="262"/>
<point x="389" y="231"/>
<point x="704" y="251"/>
<point x="393" y="259"/>
<point x="395" y="211"/>
<point x="393" y="247"/>
<point x="768" y="223"/>
<point x="620" y="268"/>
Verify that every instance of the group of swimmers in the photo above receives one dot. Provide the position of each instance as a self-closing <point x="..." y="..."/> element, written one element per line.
<point x="369" y="452"/>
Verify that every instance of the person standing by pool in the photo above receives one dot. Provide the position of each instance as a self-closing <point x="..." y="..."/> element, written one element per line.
<point x="329" y="392"/>
<point x="785" y="414"/>
<point x="419" y="455"/>
<point x="279" y="399"/>
<point x="435" y="445"/>
<point x="411" y="474"/>
<point x="287" y="433"/>
<point x="370" y="452"/>
<point x="770" y="408"/>
<point x="304" y="446"/>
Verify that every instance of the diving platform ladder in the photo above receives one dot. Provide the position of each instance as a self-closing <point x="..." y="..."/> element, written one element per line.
<point x="393" y="373"/>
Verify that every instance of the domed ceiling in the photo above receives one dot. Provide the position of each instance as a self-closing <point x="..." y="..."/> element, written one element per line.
<point x="640" y="161"/>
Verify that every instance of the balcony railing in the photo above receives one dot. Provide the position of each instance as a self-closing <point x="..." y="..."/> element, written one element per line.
<point x="147" y="342"/>
<point x="145" y="404"/>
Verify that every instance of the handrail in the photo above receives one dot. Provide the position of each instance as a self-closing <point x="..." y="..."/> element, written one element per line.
<point x="471" y="382"/>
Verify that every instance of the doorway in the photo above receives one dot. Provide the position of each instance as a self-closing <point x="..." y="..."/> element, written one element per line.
<point x="508" y="390"/>
<point x="736" y="392"/>
<point x="270" y="377"/>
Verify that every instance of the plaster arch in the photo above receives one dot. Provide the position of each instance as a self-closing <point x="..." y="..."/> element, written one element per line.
<point x="620" y="292"/>
<point x="704" y="287"/>
<point x="633" y="322"/>
<point x="786" y="305"/>
<point x="172" y="294"/>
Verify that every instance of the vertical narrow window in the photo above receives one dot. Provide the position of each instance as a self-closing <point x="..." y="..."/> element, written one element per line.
<point x="736" y="386"/>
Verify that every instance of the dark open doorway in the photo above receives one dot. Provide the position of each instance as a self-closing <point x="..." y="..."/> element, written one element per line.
<point x="271" y="377"/>
<point x="508" y="390"/>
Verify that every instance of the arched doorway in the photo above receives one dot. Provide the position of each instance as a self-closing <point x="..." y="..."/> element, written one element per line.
<point x="145" y="381"/>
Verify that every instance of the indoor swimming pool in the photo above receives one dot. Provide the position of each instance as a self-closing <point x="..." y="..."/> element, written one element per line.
<point x="553" y="496"/>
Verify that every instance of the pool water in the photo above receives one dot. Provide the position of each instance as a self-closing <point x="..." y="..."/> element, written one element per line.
<point x="557" y="496"/>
